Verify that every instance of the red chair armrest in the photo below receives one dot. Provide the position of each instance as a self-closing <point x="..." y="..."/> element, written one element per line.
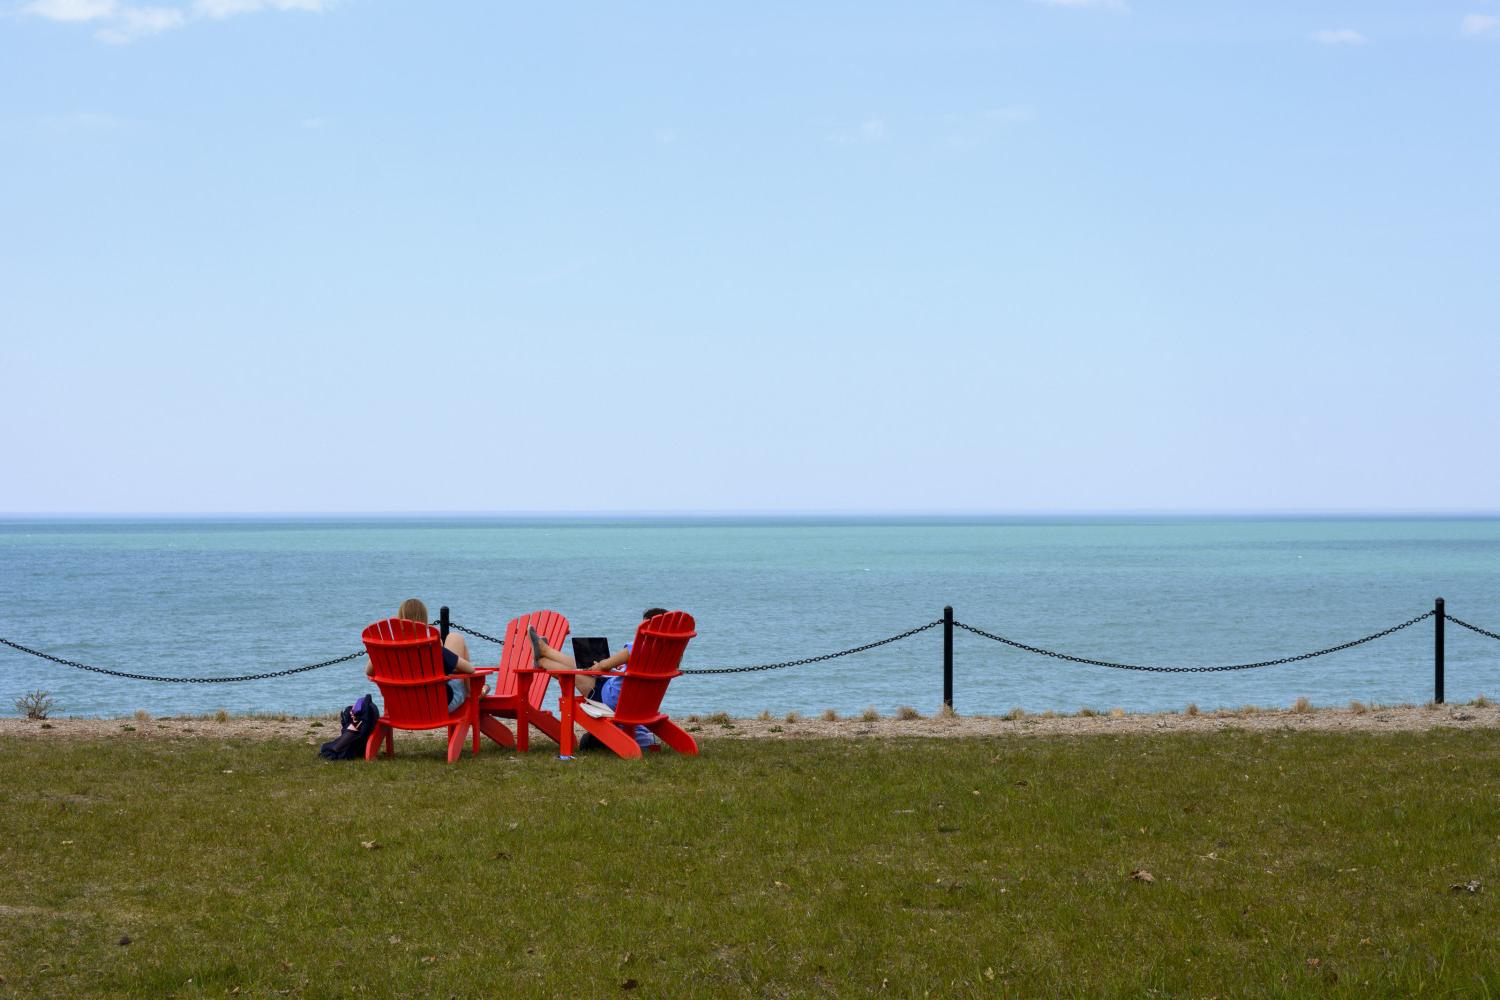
<point x="559" y="673"/>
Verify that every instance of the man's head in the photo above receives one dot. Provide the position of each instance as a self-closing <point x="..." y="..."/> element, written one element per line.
<point x="652" y="613"/>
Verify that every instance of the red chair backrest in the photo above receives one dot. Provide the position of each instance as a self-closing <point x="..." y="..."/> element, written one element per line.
<point x="408" y="651"/>
<point x="654" y="657"/>
<point x="516" y="654"/>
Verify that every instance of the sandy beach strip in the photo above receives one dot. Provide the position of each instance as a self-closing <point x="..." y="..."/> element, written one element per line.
<point x="1358" y="719"/>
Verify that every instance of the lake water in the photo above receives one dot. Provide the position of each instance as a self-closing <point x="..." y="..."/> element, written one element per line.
<point x="210" y="597"/>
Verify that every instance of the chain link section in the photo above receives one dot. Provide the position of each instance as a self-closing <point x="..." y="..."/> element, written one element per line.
<point x="815" y="659"/>
<point x="1193" y="670"/>
<point x="1472" y="628"/>
<point x="182" y="680"/>
<point x="475" y="633"/>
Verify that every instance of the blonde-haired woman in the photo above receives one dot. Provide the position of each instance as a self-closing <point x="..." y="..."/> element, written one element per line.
<point x="455" y="653"/>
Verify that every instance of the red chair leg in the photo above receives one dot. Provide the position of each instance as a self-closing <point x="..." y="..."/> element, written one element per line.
<point x="372" y="745"/>
<point x="495" y="730"/>
<point x="457" y="735"/>
<point x="675" y="736"/>
<point x="621" y="741"/>
<point x="548" y="723"/>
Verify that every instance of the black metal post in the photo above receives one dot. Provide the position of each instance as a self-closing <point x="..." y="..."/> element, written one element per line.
<point x="443" y="622"/>
<point x="1438" y="616"/>
<point x="948" y="656"/>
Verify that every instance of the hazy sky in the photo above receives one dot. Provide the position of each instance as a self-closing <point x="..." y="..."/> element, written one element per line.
<point x="1013" y="255"/>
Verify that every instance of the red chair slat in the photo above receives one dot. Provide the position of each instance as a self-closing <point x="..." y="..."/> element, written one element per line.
<point x="406" y="661"/>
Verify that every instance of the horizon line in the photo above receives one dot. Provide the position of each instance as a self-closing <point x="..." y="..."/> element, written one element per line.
<point x="749" y="514"/>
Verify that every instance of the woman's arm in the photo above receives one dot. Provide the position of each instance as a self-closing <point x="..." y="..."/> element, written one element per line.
<point x="617" y="660"/>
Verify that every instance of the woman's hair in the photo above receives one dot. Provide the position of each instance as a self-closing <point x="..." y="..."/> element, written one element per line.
<point x="412" y="610"/>
<point x="652" y="613"/>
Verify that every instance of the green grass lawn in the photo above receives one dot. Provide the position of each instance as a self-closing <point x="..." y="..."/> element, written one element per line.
<point x="1281" y="864"/>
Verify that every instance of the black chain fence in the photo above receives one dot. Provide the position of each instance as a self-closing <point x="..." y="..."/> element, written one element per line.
<point x="1472" y="628"/>
<point x="1193" y="670"/>
<point x="184" y="680"/>
<point x="815" y="659"/>
<point x="475" y="633"/>
<point x="1024" y="647"/>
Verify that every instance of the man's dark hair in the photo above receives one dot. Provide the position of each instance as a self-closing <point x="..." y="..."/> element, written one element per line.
<point x="653" y="612"/>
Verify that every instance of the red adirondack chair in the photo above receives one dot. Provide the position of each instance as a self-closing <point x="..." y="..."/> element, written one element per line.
<point x="654" y="657"/>
<point x="408" y="668"/>
<point x="519" y="695"/>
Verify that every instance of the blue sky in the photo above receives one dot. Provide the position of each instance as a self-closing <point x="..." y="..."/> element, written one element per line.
<point x="1010" y="256"/>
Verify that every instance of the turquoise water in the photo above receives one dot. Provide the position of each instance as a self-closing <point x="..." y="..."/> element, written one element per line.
<point x="206" y="597"/>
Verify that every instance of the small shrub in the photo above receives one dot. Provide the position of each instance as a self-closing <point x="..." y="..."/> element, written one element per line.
<point x="1049" y="714"/>
<point x="1481" y="702"/>
<point x="906" y="713"/>
<point x="36" y="704"/>
<point x="1014" y="715"/>
<point x="1249" y="710"/>
<point x="794" y="716"/>
<point x="870" y="714"/>
<point x="1117" y="712"/>
<point x="221" y="716"/>
<point x="829" y="715"/>
<point x="947" y="712"/>
<point x="1192" y="708"/>
<point x="764" y="716"/>
<point x="721" y="718"/>
<point x="693" y="718"/>
<point x="1301" y="706"/>
<point x="1087" y="713"/>
<point x="1358" y="707"/>
<point x="141" y="715"/>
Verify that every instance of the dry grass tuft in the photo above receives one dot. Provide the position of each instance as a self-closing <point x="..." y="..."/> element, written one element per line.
<point x="829" y="715"/>
<point x="764" y="716"/>
<point x="1049" y="714"/>
<point x="1192" y="708"/>
<point x="794" y="717"/>
<point x="221" y="716"/>
<point x="871" y="714"/>
<point x="721" y="718"/>
<point x="1302" y="706"/>
<point x="141" y="715"/>
<point x="1248" y="710"/>
<point x="1087" y="713"/>
<point x="906" y="713"/>
<point x="1358" y="707"/>
<point x="1014" y="715"/>
<point x="35" y="704"/>
<point x="695" y="717"/>
<point x="1117" y="713"/>
<point x="1481" y="702"/>
<point x="947" y="712"/>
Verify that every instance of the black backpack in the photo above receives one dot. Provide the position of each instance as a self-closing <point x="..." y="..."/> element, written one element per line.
<point x="356" y="722"/>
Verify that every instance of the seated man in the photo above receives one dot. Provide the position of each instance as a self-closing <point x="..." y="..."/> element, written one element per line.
<point x="609" y="692"/>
